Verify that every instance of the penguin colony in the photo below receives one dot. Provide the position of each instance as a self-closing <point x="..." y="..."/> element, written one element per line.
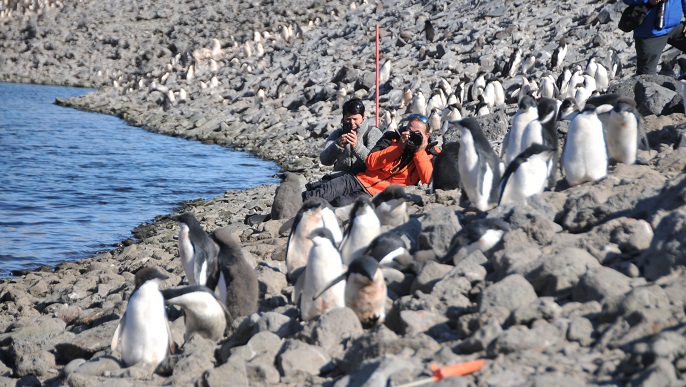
<point x="329" y="268"/>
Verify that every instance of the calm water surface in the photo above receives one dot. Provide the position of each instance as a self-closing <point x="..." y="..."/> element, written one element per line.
<point x="73" y="183"/>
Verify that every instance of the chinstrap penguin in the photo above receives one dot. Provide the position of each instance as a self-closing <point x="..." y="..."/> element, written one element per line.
<point x="364" y="226"/>
<point x="584" y="157"/>
<point x="197" y="251"/>
<point x="480" y="168"/>
<point x="324" y="264"/>
<point x="390" y="205"/>
<point x="204" y="313"/>
<point x="527" y="175"/>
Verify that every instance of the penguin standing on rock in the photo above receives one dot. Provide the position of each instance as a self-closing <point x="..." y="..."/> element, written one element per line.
<point x="204" y="313"/>
<point x="623" y="132"/>
<point x="237" y="283"/>
<point x="480" y="168"/>
<point x="323" y="265"/>
<point x="364" y="226"/>
<point x="287" y="198"/>
<point x="365" y="290"/>
<point x="314" y="213"/>
<point x="527" y="112"/>
<point x="390" y="250"/>
<point x="543" y="130"/>
<point x="446" y="175"/>
<point x="584" y="157"/>
<point x="390" y="206"/>
<point x="197" y="251"/>
<point x="527" y="174"/>
<point x="143" y="329"/>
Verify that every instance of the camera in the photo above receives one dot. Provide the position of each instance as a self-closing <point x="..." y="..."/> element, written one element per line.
<point x="415" y="139"/>
<point x="347" y="127"/>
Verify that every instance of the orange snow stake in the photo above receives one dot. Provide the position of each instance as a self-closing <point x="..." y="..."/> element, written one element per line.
<point x="459" y="369"/>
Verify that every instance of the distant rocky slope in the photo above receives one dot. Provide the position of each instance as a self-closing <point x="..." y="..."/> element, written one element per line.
<point x="587" y="285"/>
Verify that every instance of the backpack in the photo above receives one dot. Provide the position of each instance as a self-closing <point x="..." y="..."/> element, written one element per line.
<point x="632" y="17"/>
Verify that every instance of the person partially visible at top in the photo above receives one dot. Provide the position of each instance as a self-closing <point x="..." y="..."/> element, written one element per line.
<point x="404" y="158"/>
<point x="661" y="25"/>
<point x="347" y="147"/>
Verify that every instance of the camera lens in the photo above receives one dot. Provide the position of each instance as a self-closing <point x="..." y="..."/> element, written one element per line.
<point x="415" y="139"/>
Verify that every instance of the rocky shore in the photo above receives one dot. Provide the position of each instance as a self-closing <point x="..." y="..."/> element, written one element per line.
<point x="586" y="287"/>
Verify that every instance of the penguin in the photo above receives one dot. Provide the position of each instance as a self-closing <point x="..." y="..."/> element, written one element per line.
<point x="488" y="95"/>
<point x="584" y="157"/>
<point x="548" y="88"/>
<point x="364" y="226"/>
<point x="623" y="132"/>
<point x="479" y="166"/>
<point x="446" y="174"/>
<point x="527" y="112"/>
<point x="237" y="284"/>
<point x="577" y="80"/>
<point x="543" y="130"/>
<point x="601" y="77"/>
<point x="591" y="67"/>
<point x="615" y="70"/>
<point x="450" y="114"/>
<point x="390" y="206"/>
<point x="418" y="105"/>
<point x="435" y="121"/>
<point x="287" y="198"/>
<point x="314" y="213"/>
<point x="563" y="82"/>
<point x="528" y="64"/>
<point x="197" y="251"/>
<point x="365" y="291"/>
<point x="204" y="314"/>
<point x="144" y="329"/>
<point x="481" y="234"/>
<point x="429" y="30"/>
<point x="558" y="55"/>
<point x="323" y="266"/>
<point x="407" y="98"/>
<point x="527" y="174"/>
<point x="385" y="72"/>
<point x="515" y="62"/>
<point x="477" y="87"/>
<point x="499" y="92"/>
<point x="390" y="250"/>
<point x="482" y="108"/>
<point x="568" y="109"/>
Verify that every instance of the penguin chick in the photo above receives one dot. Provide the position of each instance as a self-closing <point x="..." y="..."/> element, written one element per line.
<point x="323" y="265"/>
<point x="143" y="329"/>
<point x="446" y="174"/>
<point x="237" y="283"/>
<point x="390" y="206"/>
<point x="365" y="290"/>
<point x="364" y="226"/>
<point x="204" y="313"/>
<point x="287" y="198"/>
<point x="527" y="174"/>
<point x="197" y="251"/>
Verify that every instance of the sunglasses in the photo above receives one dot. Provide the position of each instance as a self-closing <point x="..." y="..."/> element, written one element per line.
<point x="419" y="117"/>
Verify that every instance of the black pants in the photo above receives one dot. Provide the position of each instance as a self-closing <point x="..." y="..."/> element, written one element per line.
<point x="648" y="50"/>
<point x="340" y="190"/>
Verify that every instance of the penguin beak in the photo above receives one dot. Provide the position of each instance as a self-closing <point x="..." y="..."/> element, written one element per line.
<point x="364" y="266"/>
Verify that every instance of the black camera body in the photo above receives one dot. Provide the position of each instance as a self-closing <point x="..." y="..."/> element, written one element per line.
<point x="415" y="139"/>
<point x="347" y="127"/>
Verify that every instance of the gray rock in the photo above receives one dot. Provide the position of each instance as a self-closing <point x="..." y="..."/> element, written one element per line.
<point x="298" y="358"/>
<point x="654" y="99"/>
<point x="519" y="338"/>
<point x="600" y="283"/>
<point x="197" y="357"/>
<point x="334" y="328"/>
<point x="380" y="372"/>
<point x="581" y="331"/>
<point x="438" y="228"/>
<point x="418" y="321"/>
<point x="518" y="255"/>
<point x="280" y="324"/>
<point x="97" y="367"/>
<point x="88" y="342"/>
<point x="666" y="251"/>
<point x="38" y="364"/>
<point x="430" y="274"/>
<point x="660" y="373"/>
<point x="512" y="292"/>
<point x="543" y="308"/>
<point x="228" y="374"/>
<point x="559" y="272"/>
<point x="481" y="339"/>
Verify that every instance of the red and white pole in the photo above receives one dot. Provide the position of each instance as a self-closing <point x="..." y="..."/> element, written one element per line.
<point x="377" y="75"/>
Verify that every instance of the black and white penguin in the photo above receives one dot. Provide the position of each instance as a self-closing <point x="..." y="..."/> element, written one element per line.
<point x="558" y="55"/>
<point x="390" y="205"/>
<point x="479" y="166"/>
<point x="364" y="226"/>
<point x="481" y="234"/>
<point x="623" y="133"/>
<point x="204" y="314"/>
<point x="543" y="130"/>
<point x="365" y="290"/>
<point x="287" y="198"/>
<point x="527" y="174"/>
<point x="390" y="250"/>
<point x="324" y="264"/>
<point x="144" y="329"/>
<point x="568" y="109"/>
<point x="237" y="283"/>
<point x="314" y="213"/>
<point x="584" y="157"/>
<point x="515" y="62"/>
<point x="446" y="174"/>
<point x="197" y="251"/>
<point x="527" y="112"/>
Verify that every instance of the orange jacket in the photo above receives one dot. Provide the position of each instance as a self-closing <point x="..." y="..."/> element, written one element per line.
<point x="378" y="175"/>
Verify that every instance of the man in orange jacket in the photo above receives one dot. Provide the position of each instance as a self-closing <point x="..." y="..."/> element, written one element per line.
<point x="404" y="159"/>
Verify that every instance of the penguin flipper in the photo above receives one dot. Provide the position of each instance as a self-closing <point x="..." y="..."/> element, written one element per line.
<point x="118" y="332"/>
